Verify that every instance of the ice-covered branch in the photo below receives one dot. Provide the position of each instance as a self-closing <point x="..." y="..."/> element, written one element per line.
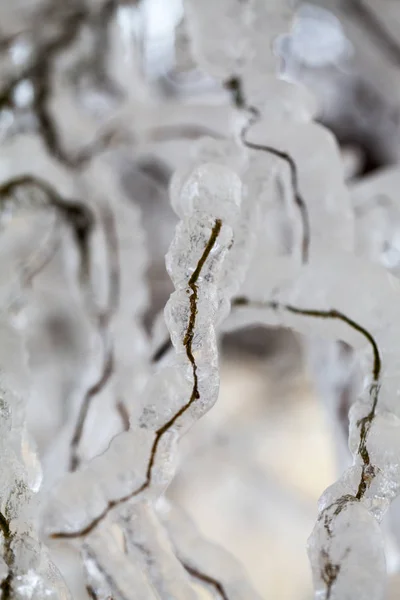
<point x="360" y="498"/>
<point x="178" y="394"/>
<point x="278" y="115"/>
<point x="210" y="565"/>
<point x="26" y="567"/>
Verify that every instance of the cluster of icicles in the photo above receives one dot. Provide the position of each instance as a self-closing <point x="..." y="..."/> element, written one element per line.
<point x="265" y="236"/>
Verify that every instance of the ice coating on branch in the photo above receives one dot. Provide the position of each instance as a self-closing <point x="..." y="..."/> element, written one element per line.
<point x="268" y="221"/>
<point x="377" y="235"/>
<point x="320" y="177"/>
<point x="206" y="183"/>
<point x="210" y="566"/>
<point x="148" y="546"/>
<point x="35" y="220"/>
<point x="121" y="369"/>
<point x="350" y="562"/>
<point x="84" y="498"/>
<point x="364" y="492"/>
<point x="37" y="223"/>
<point x="303" y="205"/>
<point x="73" y="263"/>
<point x="26" y="567"/>
<point x="109" y="570"/>
<point x="278" y="125"/>
<point x="199" y="190"/>
<point x="224" y="154"/>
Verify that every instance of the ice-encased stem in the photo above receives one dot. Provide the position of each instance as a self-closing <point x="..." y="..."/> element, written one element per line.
<point x="177" y="395"/>
<point x="22" y="553"/>
<point x="208" y="564"/>
<point x="346" y="547"/>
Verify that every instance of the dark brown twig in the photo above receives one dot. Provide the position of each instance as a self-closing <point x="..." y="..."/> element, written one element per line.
<point x="124" y="415"/>
<point x="104" y="320"/>
<point x="75" y="214"/>
<point x="94" y="390"/>
<point x="298" y="199"/>
<point x="219" y="588"/>
<point x="161" y="351"/>
<point x="235" y="86"/>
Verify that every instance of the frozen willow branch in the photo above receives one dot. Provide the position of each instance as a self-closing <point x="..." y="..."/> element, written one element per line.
<point x="26" y="568"/>
<point x="337" y="549"/>
<point x="179" y="393"/>
<point x="205" y="562"/>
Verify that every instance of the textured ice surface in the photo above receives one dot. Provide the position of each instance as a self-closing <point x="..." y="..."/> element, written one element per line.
<point x="206" y="563"/>
<point x="26" y="570"/>
<point x="364" y="492"/>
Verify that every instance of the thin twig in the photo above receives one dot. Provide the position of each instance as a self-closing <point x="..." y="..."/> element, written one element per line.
<point x="217" y="585"/>
<point x="235" y="87"/>
<point x="104" y="320"/>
